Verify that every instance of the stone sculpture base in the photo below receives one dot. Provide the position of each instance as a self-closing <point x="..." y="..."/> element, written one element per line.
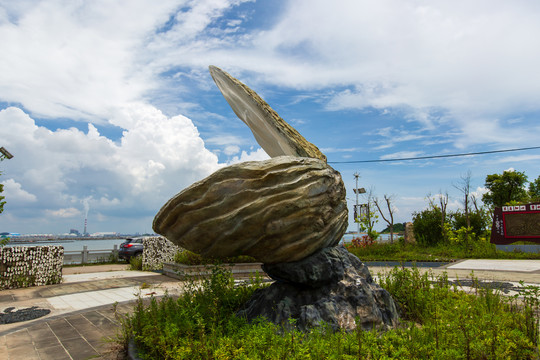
<point x="332" y="286"/>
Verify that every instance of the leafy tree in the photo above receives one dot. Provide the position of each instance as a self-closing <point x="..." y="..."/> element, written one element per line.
<point x="504" y="188"/>
<point x="534" y="190"/>
<point x="478" y="221"/>
<point x="368" y="220"/>
<point x="398" y="228"/>
<point x="427" y="226"/>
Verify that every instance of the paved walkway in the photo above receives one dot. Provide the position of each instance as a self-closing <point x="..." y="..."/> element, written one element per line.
<point x="84" y="312"/>
<point x="84" y="309"/>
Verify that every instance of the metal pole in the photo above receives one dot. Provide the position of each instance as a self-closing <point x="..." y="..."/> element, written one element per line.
<point x="357" y="209"/>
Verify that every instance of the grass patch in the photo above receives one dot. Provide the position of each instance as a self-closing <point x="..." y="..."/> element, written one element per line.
<point x="399" y="251"/>
<point x="438" y="322"/>
<point x="187" y="257"/>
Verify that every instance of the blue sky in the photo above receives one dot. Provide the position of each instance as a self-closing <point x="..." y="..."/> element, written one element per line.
<point x="110" y="110"/>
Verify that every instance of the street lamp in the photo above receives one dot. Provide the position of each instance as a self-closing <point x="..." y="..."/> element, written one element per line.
<point x="357" y="191"/>
<point x="5" y="154"/>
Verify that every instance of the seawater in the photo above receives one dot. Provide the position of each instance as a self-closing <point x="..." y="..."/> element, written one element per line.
<point x="347" y="238"/>
<point x="77" y="245"/>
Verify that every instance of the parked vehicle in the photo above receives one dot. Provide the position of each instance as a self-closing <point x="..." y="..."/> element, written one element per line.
<point x="130" y="248"/>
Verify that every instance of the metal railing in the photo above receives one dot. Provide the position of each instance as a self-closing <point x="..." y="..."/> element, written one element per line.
<point x="90" y="256"/>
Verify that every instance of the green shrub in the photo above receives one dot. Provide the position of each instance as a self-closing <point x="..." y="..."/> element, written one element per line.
<point x="480" y="221"/>
<point x="136" y="262"/>
<point x="189" y="326"/>
<point x="427" y="226"/>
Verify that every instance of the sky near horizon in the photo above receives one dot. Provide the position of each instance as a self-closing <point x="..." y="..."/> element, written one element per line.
<point x="109" y="109"/>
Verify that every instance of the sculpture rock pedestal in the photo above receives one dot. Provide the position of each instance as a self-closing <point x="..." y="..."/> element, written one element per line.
<point x="331" y="286"/>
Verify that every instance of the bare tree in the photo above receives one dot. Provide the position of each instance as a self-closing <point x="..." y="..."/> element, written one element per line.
<point x="443" y="200"/>
<point x="443" y="203"/>
<point x="390" y="219"/>
<point x="465" y="187"/>
<point x="474" y="201"/>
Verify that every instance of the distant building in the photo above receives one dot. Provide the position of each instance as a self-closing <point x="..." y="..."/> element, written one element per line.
<point x="74" y="232"/>
<point x="8" y="234"/>
<point x="104" y="234"/>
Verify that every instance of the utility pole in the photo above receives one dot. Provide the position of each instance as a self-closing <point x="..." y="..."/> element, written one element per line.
<point x="356" y="176"/>
<point x="357" y="191"/>
<point x="357" y="207"/>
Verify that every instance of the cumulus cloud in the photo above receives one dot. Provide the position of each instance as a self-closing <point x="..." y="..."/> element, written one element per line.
<point x="70" y="169"/>
<point x="64" y="213"/>
<point x="90" y="66"/>
<point x="14" y="192"/>
<point x="256" y="155"/>
<point x="231" y="150"/>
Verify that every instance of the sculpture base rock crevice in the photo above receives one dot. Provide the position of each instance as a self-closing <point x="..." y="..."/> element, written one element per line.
<point x="331" y="287"/>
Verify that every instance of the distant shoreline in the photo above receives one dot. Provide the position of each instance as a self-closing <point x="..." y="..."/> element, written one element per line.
<point x="39" y="240"/>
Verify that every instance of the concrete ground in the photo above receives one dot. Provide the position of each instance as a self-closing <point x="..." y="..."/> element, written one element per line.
<point x="85" y="308"/>
<point x="84" y="312"/>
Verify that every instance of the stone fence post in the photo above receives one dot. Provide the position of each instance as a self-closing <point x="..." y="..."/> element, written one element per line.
<point x="84" y="254"/>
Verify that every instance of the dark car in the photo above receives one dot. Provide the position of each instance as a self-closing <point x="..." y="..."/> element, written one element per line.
<point x="130" y="248"/>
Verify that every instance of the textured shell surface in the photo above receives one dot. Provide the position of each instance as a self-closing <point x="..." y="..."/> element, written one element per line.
<point x="273" y="134"/>
<point x="278" y="210"/>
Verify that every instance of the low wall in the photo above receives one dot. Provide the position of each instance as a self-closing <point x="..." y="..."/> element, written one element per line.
<point x="239" y="271"/>
<point x="23" y="266"/>
<point x="156" y="251"/>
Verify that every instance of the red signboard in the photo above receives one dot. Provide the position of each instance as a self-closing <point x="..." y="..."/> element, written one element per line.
<point x="516" y="223"/>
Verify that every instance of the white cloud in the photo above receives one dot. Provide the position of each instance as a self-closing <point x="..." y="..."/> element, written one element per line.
<point x="76" y="59"/>
<point x="256" y="155"/>
<point x="14" y="192"/>
<point x="401" y="155"/>
<point x="518" y="158"/>
<point x="480" y="190"/>
<point x="64" y="213"/>
<point x="231" y="150"/>
<point x="474" y="62"/>
<point x="155" y="158"/>
<point x="224" y="140"/>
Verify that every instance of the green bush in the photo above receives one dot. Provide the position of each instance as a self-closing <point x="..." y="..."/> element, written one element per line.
<point x="480" y="222"/>
<point x="188" y="327"/>
<point x="136" y="262"/>
<point x="427" y="226"/>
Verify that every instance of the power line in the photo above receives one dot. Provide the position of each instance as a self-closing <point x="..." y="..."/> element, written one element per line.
<point x="432" y="156"/>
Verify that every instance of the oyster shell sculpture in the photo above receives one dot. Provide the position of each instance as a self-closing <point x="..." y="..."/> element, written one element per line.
<point x="279" y="210"/>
